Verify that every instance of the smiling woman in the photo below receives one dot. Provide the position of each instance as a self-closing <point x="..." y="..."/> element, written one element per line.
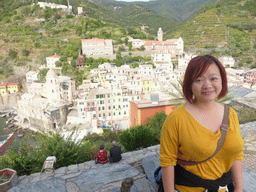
<point x="191" y="133"/>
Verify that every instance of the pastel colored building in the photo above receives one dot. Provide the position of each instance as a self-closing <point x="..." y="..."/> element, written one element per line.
<point x="51" y="61"/>
<point x="13" y="88"/>
<point x="140" y="111"/>
<point x="146" y="85"/>
<point x="3" y="88"/>
<point x="31" y="76"/>
<point x="97" y="47"/>
<point x="9" y="88"/>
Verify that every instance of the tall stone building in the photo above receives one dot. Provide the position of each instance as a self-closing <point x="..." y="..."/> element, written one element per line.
<point x="160" y="34"/>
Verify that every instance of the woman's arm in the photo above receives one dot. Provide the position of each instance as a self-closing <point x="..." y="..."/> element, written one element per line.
<point x="168" y="178"/>
<point x="237" y="175"/>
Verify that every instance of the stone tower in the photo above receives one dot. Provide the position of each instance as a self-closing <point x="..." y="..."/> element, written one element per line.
<point x="52" y="87"/>
<point x="160" y="34"/>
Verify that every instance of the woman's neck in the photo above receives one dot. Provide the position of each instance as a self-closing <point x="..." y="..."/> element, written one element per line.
<point x="205" y="107"/>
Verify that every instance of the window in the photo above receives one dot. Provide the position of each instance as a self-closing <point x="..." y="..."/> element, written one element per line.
<point x="109" y="114"/>
<point x="114" y="106"/>
<point x="108" y="100"/>
<point x="99" y="108"/>
<point x="124" y="112"/>
<point x="103" y="114"/>
<point x="99" y="115"/>
<point x="109" y="107"/>
<point x="88" y="104"/>
<point x="114" y="113"/>
<point x="94" y="116"/>
<point x="109" y="94"/>
<point x="114" y="100"/>
<point x="119" y="106"/>
<point x="103" y="108"/>
<point x="81" y="109"/>
<point x="119" y="113"/>
<point x="82" y="113"/>
<point x="93" y="104"/>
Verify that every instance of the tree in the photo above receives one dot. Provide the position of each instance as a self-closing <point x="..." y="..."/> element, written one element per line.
<point x="156" y="122"/>
<point x="126" y="41"/>
<point x="58" y="64"/>
<point x="12" y="53"/>
<point x="25" y="52"/>
<point x="73" y="63"/>
<point x="142" y="48"/>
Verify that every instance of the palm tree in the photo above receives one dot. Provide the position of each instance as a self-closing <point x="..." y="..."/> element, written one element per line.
<point x="178" y="95"/>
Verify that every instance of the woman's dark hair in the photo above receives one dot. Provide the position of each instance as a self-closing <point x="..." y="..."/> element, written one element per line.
<point x="196" y="68"/>
<point x="102" y="147"/>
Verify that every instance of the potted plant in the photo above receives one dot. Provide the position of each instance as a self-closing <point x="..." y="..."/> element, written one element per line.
<point x="8" y="179"/>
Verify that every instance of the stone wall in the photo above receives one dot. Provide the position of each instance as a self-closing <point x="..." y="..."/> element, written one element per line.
<point x="244" y="103"/>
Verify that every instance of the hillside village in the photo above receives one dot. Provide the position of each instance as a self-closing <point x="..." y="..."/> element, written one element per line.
<point x="111" y="96"/>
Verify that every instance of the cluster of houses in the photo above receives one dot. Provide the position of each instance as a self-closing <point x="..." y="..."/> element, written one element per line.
<point x="118" y="97"/>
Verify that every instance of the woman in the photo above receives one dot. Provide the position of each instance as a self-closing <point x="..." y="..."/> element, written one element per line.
<point x="102" y="156"/>
<point x="191" y="131"/>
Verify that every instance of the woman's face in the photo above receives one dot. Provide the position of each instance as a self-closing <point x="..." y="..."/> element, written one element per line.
<point x="207" y="87"/>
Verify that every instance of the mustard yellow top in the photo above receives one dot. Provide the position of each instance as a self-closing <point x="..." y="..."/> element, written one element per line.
<point x="184" y="138"/>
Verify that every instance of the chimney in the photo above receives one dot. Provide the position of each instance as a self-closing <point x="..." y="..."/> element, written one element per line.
<point x="154" y="97"/>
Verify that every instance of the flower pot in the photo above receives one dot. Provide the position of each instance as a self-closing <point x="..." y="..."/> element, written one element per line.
<point x="11" y="181"/>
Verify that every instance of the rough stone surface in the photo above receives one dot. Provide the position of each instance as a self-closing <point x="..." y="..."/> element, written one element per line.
<point x="150" y="164"/>
<point x="249" y="179"/>
<point x="115" y="186"/>
<point x="61" y="171"/>
<point x="141" y="185"/>
<point x="93" y="179"/>
<point x="81" y="166"/>
<point x="47" y="185"/>
<point x="71" y="175"/>
<point x="72" y="169"/>
<point x="71" y="187"/>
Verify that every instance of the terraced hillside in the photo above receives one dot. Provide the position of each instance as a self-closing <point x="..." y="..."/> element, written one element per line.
<point x="227" y="28"/>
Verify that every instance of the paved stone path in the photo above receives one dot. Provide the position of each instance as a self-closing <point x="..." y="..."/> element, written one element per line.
<point x="134" y="171"/>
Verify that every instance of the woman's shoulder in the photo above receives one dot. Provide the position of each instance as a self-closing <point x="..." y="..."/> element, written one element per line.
<point x="178" y="111"/>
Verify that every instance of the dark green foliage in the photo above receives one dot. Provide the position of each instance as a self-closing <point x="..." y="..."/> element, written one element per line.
<point x="155" y="123"/>
<point x="137" y="137"/>
<point x="69" y="16"/>
<point x="13" y="53"/>
<point x="42" y="74"/>
<point x="25" y="52"/>
<point x="26" y="160"/>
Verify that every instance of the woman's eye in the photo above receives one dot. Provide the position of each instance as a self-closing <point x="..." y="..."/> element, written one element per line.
<point x="198" y="80"/>
<point x="214" y="78"/>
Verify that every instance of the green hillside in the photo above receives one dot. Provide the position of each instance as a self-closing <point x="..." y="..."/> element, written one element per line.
<point x="226" y="28"/>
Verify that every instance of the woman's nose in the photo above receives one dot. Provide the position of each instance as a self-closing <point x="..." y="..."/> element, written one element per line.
<point x="206" y="84"/>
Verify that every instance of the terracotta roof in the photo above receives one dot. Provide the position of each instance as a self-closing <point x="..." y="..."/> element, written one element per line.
<point x="54" y="56"/>
<point x="12" y="84"/>
<point x="148" y="43"/>
<point x="4" y="84"/>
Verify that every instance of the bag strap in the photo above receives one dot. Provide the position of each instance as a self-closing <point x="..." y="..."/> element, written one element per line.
<point x="224" y="130"/>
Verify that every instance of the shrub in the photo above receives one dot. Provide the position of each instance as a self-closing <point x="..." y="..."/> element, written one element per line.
<point x="137" y="137"/>
<point x="155" y="123"/>
<point x="27" y="160"/>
